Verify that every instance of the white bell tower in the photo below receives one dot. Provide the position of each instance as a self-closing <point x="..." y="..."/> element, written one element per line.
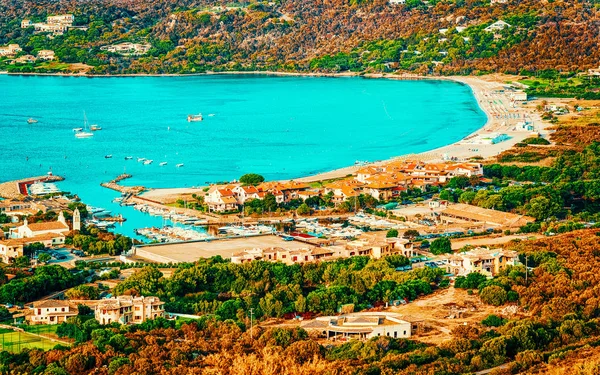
<point x="76" y="220"/>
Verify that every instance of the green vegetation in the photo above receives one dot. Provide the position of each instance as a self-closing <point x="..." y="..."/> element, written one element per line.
<point x="441" y="246"/>
<point x="16" y="341"/>
<point x="251" y="179"/>
<point x="45" y="280"/>
<point x="552" y="83"/>
<point x="214" y="286"/>
<point x="392" y="233"/>
<point x="83" y="292"/>
<point x="570" y="188"/>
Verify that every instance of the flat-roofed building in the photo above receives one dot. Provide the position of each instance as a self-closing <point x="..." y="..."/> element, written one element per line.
<point x="360" y="326"/>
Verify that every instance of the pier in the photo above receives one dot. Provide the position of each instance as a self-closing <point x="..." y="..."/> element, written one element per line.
<point x="18" y="188"/>
<point x="114" y="185"/>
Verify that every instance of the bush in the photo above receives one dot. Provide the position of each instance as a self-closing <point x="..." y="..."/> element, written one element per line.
<point x="392" y="233"/>
<point x="536" y="141"/>
<point x="251" y="179"/>
<point x="493" y="321"/>
<point x="471" y="281"/>
<point x="441" y="246"/>
<point x="411" y="234"/>
<point x="493" y="295"/>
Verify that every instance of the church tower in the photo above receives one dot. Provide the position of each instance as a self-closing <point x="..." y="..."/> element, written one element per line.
<point x="76" y="220"/>
<point x="61" y="218"/>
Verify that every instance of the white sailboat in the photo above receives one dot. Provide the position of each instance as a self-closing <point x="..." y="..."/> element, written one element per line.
<point x="85" y="132"/>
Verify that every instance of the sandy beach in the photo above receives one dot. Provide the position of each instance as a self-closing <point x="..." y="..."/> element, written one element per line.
<point x="501" y="118"/>
<point x="494" y="101"/>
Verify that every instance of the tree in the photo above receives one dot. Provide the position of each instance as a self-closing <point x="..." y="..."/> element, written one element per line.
<point x="44" y="258"/>
<point x="83" y="292"/>
<point x="411" y="234"/>
<point x="22" y="261"/>
<point x="493" y="295"/>
<point x="392" y="233"/>
<point x="270" y="202"/>
<point x="472" y="281"/>
<point x="542" y="208"/>
<point x="441" y="246"/>
<point x="446" y="195"/>
<point x="303" y="209"/>
<point x="251" y="179"/>
<point x="493" y="321"/>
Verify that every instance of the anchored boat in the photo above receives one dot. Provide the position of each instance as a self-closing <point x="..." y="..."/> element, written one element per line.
<point x="194" y="118"/>
<point x="84" y="132"/>
<point x="32" y="121"/>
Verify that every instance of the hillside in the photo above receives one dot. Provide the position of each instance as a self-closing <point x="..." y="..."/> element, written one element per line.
<point x="193" y="36"/>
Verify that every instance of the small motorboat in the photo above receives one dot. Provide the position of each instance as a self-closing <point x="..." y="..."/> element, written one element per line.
<point x="141" y="160"/>
<point x="108" y="156"/>
<point x="163" y="163"/>
<point x="77" y="129"/>
<point x="95" y="128"/>
<point x="128" y="157"/>
<point x="179" y="165"/>
<point x="32" y="121"/>
<point x="149" y="161"/>
<point x="194" y="118"/>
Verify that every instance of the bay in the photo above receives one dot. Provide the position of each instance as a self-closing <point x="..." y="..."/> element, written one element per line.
<point x="280" y="127"/>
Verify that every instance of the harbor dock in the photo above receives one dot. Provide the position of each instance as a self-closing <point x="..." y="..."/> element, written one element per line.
<point x="114" y="185"/>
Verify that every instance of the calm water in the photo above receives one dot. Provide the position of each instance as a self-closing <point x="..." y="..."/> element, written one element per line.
<point x="281" y="127"/>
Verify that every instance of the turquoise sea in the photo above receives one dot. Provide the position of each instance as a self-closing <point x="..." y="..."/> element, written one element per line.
<point x="280" y="127"/>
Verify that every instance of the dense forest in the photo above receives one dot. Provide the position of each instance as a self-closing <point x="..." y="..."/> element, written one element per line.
<point x="228" y="290"/>
<point x="438" y="36"/>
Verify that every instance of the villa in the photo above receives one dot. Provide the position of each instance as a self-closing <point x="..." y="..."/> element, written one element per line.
<point x="51" y="312"/>
<point x="489" y="262"/>
<point x="128" y="309"/>
<point x="128" y="48"/>
<point x="10" y="50"/>
<point x="221" y="199"/>
<point x="25" y="59"/>
<point x="46" y="55"/>
<point x="361" y="326"/>
<point x="497" y="26"/>
<point x="11" y="249"/>
<point x="56" y="25"/>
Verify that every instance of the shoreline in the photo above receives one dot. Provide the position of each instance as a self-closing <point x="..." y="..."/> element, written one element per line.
<point x="485" y="90"/>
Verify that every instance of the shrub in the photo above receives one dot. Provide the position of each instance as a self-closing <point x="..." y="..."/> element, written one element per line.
<point x="441" y="246"/>
<point x="251" y="179"/>
<point x="493" y="295"/>
<point x="493" y="321"/>
<point x="392" y="233"/>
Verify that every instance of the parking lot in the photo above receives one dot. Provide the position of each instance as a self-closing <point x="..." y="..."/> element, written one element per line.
<point x="62" y="255"/>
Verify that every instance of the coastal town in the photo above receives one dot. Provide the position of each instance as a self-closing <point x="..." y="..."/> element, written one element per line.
<point x="360" y="187"/>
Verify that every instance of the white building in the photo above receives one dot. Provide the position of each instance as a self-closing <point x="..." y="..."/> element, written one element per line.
<point x="497" y="26"/>
<point x="54" y="231"/>
<point x="128" y="48"/>
<point x="360" y="326"/>
<point x="489" y="262"/>
<point x="46" y="54"/>
<point x="397" y="2"/>
<point x="51" y="312"/>
<point x="10" y="50"/>
<point x="128" y="309"/>
<point x="11" y="249"/>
